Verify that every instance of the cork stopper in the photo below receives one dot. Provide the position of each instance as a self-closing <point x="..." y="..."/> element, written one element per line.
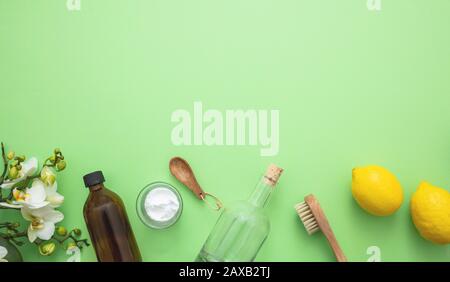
<point x="272" y="175"/>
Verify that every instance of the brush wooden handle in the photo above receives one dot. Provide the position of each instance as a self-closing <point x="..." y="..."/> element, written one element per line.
<point x="325" y="227"/>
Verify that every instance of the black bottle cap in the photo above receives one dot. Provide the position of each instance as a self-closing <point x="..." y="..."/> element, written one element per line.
<point x="93" y="178"/>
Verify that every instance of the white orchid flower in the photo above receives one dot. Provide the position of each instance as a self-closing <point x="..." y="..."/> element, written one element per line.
<point x="29" y="168"/>
<point x="3" y="253"/>
<point x="38" y="196"/>
<point x="74" y="252"/>
<point x="33" y="197"/>
<point x="43" y="221"/>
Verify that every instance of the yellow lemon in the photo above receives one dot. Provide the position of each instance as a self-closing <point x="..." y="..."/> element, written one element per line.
<point x="430" y="210"/>
<point x="376" y="190"/>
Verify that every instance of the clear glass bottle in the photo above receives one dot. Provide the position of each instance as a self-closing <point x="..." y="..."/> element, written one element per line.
<point x="242" y="228"/>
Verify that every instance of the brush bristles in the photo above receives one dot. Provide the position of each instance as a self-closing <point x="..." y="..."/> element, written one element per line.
<point x="307" y="217"/>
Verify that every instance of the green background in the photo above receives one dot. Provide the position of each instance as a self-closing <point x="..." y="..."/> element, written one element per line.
<point x="353" y="87"/>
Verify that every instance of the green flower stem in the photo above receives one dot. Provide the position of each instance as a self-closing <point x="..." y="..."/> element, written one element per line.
<point x="12" y="232"/>
<point x="8" y="224"/>
<point x="18" y="234"/>
<point x="78" y="242"/>
<point x="5" y="167"/>
<point x="14" y="236"/>
<point x="11" y="226"/>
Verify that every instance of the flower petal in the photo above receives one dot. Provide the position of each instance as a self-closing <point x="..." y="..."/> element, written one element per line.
<point x="40" y="212"/>
<point x="8" y="184"/>
<point x="13" y="206"/>
<point x="51" y="189"/>
<point x="46" y="232"/>
<point x="26" y="213"/>
<point x="55" y="200"/>
<point x="3" y="252"/>
<point x="37" y="205"/>
<point x="53" y="216"/>
<point x="29" y="166"/>
<point x="75" y="254"/>
<point x="31" y="234"/>
<point x="37" y="194"/>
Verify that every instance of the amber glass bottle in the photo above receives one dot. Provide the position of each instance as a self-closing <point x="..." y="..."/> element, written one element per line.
<point x="107" y="222"/>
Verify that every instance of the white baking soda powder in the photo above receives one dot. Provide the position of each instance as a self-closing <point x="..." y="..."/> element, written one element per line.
<point x="161" y="204"/>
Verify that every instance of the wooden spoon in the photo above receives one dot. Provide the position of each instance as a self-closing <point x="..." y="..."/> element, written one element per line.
<point x="182" y="171"/>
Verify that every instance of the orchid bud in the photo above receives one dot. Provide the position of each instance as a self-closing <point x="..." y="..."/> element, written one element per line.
<point x="10" y="155"/>
<point x="21" y="158"/>
<point x="47" y="248"/>
<point x="71" y="245"/>
<point x="57" y="151"/>
<point x="61" y="230"/>
<point x="61" y="165"/>
<point x="77" y="232"/>
<point x="48" y="176"/>
<point x="13" y="173"/>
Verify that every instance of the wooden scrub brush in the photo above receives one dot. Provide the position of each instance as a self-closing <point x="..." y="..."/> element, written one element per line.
<point x="314" y="219"/>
